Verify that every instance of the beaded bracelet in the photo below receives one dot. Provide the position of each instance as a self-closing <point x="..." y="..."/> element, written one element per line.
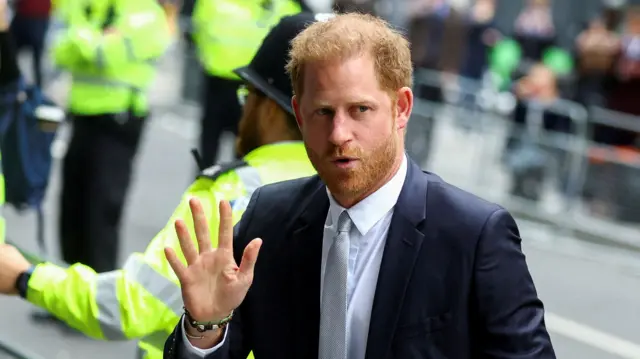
<point x="206" y="326"/>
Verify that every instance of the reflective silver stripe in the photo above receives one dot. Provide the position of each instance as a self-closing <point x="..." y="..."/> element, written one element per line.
<point x="100" y="57"/>
<point x="158" y="286"/>
<point x="128" y="45"/>
<point x="251" y="180"/>
<point x="155" y="283"/>
<point x="95" y="80"/>
<point x="108" y="306"/>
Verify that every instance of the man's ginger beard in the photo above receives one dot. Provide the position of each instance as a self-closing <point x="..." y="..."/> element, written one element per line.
<point x="373" y="168"/>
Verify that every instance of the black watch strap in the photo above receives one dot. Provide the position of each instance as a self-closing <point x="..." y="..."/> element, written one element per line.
<point x="22" y="284"/>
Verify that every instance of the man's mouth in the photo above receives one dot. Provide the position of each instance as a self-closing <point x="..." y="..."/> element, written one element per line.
<point x="344" y="161"/>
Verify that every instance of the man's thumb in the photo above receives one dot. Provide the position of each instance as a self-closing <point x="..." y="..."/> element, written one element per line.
<point x="249" y="258"/>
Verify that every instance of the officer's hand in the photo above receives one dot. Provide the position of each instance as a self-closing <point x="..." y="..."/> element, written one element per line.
<point x="12" y="264"/>
<point x="212" y="283"/>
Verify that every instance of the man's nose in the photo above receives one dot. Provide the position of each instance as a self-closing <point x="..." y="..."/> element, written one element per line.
<point x="340" y="133"/>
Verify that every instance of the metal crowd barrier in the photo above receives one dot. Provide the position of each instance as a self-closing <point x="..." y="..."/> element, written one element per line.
<point x="613" y="173"/>
<point x="469" y="137"/>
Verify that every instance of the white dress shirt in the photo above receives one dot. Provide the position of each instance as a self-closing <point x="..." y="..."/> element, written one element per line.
<point x="371" y="218"/>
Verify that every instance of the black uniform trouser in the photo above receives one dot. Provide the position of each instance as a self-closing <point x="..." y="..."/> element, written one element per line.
<point x="96" y="175"/>
<point x="221" y="112"/>
<point x="31" y="32"/>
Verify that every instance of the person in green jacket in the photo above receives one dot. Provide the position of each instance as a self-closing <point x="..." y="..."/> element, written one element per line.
<point x="110" y="48"/>
<point x="227" y="34"/>
<point x="143" y="299"/>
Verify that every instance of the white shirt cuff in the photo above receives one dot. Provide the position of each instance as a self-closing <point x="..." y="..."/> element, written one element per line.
<point x="193" y="352"/>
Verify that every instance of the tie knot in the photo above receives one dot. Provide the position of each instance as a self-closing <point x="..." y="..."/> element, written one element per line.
<point x="344" y="222"/>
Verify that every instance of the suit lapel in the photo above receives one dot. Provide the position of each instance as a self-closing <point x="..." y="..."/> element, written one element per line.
<point x="306" y="247"/>
<point x="401" y="251"/>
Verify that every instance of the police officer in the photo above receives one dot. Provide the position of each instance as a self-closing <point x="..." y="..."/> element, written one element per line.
<point x="227" y="34"/>
<point x="143" y="299"/>
<point x="110" y="47"/>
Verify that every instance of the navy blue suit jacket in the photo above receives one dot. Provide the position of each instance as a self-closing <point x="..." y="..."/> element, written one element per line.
<point x="453" y="283"/>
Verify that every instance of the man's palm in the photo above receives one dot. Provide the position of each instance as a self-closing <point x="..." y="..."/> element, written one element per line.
<point x="212" y="283"/>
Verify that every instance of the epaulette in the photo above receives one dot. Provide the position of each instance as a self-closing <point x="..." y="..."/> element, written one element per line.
<point x="216" y="171"/>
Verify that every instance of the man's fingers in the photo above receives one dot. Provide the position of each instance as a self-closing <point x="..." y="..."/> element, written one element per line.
<point x="174" y="262"/>
<point x="225" y="233"/>
<point x="188" y="249"/>
<point x="200" y="225"/>
<point x="249" y="258"/>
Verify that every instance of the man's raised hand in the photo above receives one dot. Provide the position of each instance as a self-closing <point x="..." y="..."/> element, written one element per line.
<point x="212" y="283"/>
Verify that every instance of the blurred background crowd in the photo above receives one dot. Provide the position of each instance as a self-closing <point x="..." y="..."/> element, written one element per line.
<point x="572" y="68"/>
<point x="576" y="61"/>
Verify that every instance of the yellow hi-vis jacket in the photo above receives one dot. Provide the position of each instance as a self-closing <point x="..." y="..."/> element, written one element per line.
<point x="111" y="70"/>
<point x="143" y="300"/>
<point x="228" y="33"/>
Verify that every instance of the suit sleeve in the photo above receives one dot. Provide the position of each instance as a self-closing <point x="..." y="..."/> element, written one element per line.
<point x="510" y="321"/>
<point x="236" y="344"/>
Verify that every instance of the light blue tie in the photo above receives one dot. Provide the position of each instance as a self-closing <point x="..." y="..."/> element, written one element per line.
<point x="333" y="309"/>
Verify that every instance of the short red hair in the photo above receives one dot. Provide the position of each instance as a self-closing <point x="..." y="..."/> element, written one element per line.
<point x="352" y="34"/>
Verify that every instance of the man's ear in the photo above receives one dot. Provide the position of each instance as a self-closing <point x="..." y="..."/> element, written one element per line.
<point x="404" y="106"/>
<point x="296" y="111"/>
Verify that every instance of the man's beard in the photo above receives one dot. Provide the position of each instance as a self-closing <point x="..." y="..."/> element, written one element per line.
<point x="248" y="138"/>
<point x="371" y="170"/>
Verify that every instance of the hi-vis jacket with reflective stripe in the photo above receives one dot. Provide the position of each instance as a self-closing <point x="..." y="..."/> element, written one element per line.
<point x="143" y="300"/>
<point x="228" y="33"/>
<point x="111" y="71"/>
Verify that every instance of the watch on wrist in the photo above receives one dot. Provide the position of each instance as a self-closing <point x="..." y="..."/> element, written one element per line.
<point x="207" y="326"/>
<point x="22" y="283"/>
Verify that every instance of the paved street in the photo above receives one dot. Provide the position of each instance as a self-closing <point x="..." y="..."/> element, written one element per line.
<point x="591" y="292"/>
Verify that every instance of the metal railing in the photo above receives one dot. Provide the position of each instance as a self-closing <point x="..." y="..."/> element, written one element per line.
<point x="561" y="177"/>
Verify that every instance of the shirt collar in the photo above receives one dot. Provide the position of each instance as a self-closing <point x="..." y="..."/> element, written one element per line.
<point x="366" y="213"/>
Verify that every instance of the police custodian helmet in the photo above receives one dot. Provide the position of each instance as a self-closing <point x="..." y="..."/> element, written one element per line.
<point x="266" y="72"/>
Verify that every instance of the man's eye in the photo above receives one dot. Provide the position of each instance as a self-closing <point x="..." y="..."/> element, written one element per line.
<point x="363" y="108"/>
<point x="324" y="112"/>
